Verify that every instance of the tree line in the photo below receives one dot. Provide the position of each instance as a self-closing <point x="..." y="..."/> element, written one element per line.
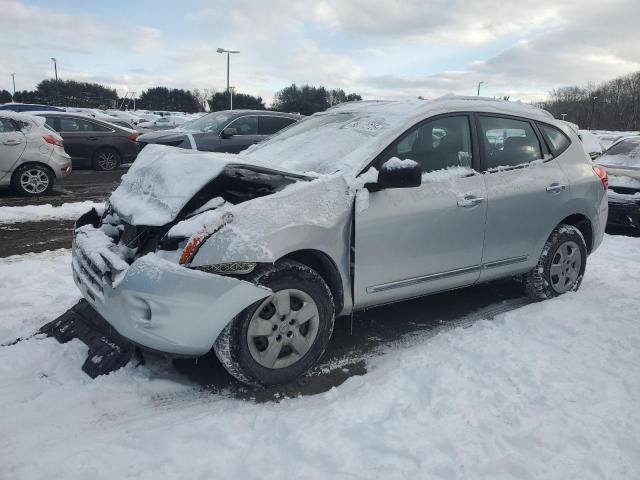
<point x="305" y="99"/>
<point x="612" y="105"/>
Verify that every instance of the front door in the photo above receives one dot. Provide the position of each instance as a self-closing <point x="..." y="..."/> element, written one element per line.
<point x="414" y="241"/>
<point x="247" y="135"/>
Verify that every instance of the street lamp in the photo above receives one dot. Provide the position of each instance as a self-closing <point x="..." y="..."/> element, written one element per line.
<point x="563" y="115"/>
<point x="231" y="90"/>
<point x="55" y="67"/>
<point x="593" y="107"/>
<point x="13" y="77"/>
<point x="228" y="52"/>
<point x="479" y="83"/>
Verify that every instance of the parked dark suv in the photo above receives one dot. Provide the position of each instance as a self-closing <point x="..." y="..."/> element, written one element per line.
<point x="93" y="143"/>
<point x="229" y="131"/>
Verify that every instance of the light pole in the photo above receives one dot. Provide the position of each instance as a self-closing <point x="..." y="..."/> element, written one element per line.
<point x="13" y="77"/>
<point x="228" y="52"/>
<point x="231" y="90"/>
<point x="593" y="107"/>
<point x="479" y="83"/>
<point x="563" y="115"/>
<point x="55" y="68"/>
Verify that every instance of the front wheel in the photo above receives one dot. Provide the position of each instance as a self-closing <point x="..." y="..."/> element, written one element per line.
<point x="561" y="264"/>
<point x="279" y="338"/>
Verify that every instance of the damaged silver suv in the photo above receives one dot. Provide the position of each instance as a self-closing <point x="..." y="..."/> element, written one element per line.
<point x="255" y="255"/>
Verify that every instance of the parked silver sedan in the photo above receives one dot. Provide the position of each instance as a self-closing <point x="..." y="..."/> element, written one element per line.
<point x="32" y="156"/>
<point x="368" y="203"/>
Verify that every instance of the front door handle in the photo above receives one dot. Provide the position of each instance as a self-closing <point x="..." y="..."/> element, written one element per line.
<point x="92" y="138"/>
<point x="556" y="187"/>
<point x="468" y="201"/>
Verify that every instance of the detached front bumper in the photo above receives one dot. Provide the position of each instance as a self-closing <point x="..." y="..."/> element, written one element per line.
<point x="162" y="306"/>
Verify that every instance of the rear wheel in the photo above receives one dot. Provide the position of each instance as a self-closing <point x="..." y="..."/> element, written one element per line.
<point x="277" y="339"/>
<point x="106" y="159"/>
<point x="561" y="264"/>
<point x="32" y="180"/>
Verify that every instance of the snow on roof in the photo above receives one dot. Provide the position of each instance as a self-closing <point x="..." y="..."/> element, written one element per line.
<point x="22" y="117"/>
<point x="450" y="103"/>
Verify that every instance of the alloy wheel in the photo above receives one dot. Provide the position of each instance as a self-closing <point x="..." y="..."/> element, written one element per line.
<point x="107" y="160"/>
<point x="283" y="328"/>
<point x="565" y="267"/>
<point x="34" y="181"/>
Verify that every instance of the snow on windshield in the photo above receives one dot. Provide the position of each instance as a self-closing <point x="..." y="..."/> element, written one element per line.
<point x="325" y="143"/>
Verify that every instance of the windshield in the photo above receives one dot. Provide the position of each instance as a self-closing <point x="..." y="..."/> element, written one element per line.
<point x="625" y="153"/>
<point x="324" y="143"/>
<point x="212" y="122"/>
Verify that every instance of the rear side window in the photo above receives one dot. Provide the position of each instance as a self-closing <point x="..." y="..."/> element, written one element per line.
<point x="68" y="124"/>
<point x="268" y="125"/>
<point x="53" y="123"/>
<point x="7" y="125"/>
<point x="556" y="138"/>
<point x="508" y="142"/>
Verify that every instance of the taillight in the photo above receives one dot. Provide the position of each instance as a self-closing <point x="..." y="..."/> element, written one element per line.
<point x="602" y="174"/>
<point x="132" y="136"/>
<point x="52" y="140"/>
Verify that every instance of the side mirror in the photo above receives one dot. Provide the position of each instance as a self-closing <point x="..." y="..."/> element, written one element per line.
<point x="396" y="173"/>
<point x="228" y="132"/>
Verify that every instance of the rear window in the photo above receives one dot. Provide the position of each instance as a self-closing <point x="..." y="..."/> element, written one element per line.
<point x="556" y="138"/>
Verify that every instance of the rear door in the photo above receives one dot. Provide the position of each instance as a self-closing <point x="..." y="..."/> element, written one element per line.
<point x="414" y="241"/>
<point x="12" y="144"/>
<point x="82" y="137"/>
<point x="526" y="191"/>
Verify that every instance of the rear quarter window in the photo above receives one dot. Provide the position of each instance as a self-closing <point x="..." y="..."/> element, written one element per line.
<point x="556" y="139"/>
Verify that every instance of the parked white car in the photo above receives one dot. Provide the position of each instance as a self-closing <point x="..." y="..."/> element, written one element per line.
<point x="163" y="123"/>
<point x="126" y="116"/>
<point x="31" y="154"/>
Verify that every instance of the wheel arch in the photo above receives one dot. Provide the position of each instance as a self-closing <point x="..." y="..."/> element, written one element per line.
<point x="33" y="162"/>
<point x="326" y="267"/>
<point x="582" y="223"/>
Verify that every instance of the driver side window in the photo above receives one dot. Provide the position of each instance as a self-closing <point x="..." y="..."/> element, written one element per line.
<point x="245" y="125"/>
<point x="436" y="144"/>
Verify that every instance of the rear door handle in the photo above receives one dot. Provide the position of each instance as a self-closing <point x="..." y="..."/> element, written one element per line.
<point x="556" y="187"/>
<point x="11" y="142"/>
<point x="468" y="201"/>
<point x="92" y="138"/>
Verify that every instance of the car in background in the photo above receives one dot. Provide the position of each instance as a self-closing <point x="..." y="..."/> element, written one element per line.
<point x="126" y="116"/>
<point x="32" y="156"/>
<point x="229" y="131"/>
<point x="622" y="162"/>
<point x="163" y="123"/>
<point x="29" y="107"/>
<point x="93" y="143"/>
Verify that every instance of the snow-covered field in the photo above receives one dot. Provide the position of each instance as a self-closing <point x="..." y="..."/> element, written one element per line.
<point x="34" y="213"/>
<point x="547" y="391"/>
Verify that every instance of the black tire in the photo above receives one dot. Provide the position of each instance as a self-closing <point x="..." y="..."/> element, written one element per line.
<point x="43" y="180"/>
<point x="106" y="159"/>
<point x="232" y="345"/>
<point x="556" y="272"/>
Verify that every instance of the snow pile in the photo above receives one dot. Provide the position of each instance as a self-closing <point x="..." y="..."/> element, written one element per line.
<point x="548" y="391"/>
<point x="623" y="181"/>
<point x="37" y="213"/>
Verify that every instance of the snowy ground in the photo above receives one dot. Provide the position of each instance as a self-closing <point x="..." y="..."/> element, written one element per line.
<point x="547" y="391"/>
<point x="35" y="213"/>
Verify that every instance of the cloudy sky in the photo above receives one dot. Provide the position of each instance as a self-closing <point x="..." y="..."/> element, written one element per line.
<point x="378" y="48"/>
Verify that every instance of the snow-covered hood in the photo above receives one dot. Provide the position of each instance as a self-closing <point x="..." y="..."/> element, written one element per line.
<point x="164" y="179"/>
